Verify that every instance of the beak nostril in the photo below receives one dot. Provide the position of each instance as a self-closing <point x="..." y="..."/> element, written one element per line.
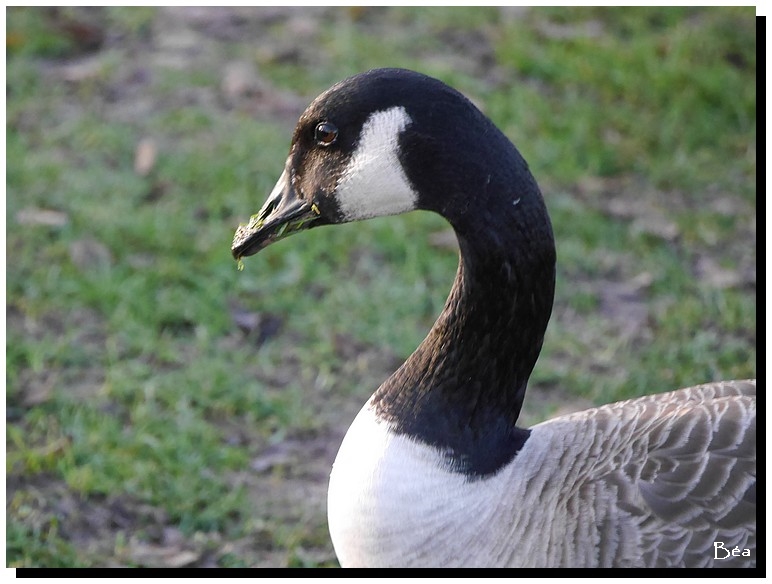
<point x="267" y="210"/>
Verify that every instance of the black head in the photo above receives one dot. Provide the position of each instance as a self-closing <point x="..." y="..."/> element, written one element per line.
<point x="390" y="141"/>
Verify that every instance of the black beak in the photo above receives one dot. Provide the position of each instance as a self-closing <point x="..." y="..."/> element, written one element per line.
<point x="282" y="214"/>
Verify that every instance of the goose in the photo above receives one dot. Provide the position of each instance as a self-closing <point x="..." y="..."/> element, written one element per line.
<point x="434" y="470"/>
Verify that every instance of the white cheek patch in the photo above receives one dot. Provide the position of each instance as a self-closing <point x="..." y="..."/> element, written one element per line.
<point x="374" y="183"/>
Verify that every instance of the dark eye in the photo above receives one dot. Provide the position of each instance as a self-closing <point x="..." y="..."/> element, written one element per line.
<point x="325" y="134"/>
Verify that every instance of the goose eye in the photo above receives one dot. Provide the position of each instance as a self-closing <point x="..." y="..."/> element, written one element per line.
<point x="325" y="134"/>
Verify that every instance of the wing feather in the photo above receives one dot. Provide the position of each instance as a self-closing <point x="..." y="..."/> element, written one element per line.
<point x="678" y="473"/>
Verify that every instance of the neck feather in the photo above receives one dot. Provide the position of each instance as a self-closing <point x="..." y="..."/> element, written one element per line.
<point x="463" y="388"/>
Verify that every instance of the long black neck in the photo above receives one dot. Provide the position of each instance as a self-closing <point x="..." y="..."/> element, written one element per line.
<point x="463" y="388"/>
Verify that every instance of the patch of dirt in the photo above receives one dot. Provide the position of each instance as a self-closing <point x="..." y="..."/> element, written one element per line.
<point x="652" y="212"/>
<point x="93" y="524"/>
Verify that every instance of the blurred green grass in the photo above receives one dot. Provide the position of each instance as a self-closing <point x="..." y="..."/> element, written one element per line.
<point x="126" y="376"/>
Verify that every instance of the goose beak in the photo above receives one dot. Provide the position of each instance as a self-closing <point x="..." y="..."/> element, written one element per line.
<point x="282" y="214"/>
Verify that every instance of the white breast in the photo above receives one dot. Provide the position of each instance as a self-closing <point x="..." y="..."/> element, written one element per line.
<point x="393" y="503"/>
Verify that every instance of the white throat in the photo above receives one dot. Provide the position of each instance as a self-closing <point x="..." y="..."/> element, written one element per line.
<point x="374" y="183"/>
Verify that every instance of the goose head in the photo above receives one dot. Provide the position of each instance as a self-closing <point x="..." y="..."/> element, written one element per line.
<point x="391" y="141"/>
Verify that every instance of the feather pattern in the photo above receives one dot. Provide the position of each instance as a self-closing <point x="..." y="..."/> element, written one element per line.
<point x="670" y="473"/>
